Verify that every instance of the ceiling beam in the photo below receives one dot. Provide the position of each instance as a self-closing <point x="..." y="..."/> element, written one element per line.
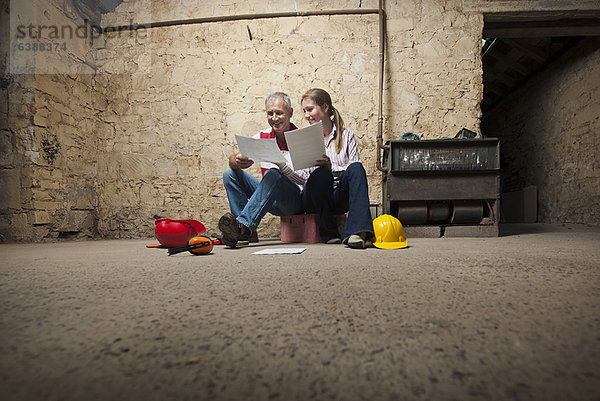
<point x="509" y="63"/>
<point x="535" y="28"/>
<point x="499" y="76"/>
<point x="531" y="51"/>
<point x="499" y="6"/>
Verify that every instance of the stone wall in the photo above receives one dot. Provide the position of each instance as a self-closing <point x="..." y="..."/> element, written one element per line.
<point x="179" y="94"/>
<point x="66" y="138"/>
<point x="121" y="127"/>
<point x="549" y="132"/>
<point x="147" y="127"/>
<point x="49" y="129"/>
<point x="433" y="69"/>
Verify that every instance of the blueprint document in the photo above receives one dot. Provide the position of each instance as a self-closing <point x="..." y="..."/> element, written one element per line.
<point x="260" y="150"/>
<point x="305" y="147"/>
<point x="275" y="251"/>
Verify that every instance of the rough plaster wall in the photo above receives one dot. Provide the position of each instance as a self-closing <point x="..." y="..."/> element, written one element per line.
<point x="180" y="94"/>
<point x="550" y="138"/>
<point x="100" y="151"/>
<point x="49" y="125"/>
<point x="433" y="69"/>
<point x="197" y="86"/>
<point x="15" y="148"/>
<point x="64" y="177"/>
<point x="149" y="132"/>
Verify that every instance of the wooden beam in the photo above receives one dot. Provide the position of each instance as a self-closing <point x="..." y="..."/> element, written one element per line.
<point x="496" y="90"/>
<point x="531" y="29"/>
<point x="498" y="6"/>
<point x="507" y="80"/>
<point x="531" y="51"/>
<point x="529" y="24"/>
<point x="542" y="16"/>
<point x="509" y="63"/>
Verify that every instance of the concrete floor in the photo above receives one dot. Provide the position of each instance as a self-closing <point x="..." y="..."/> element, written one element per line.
<point x="510" y="318"/>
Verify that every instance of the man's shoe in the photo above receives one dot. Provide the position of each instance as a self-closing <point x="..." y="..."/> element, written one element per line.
<point x="357" y="241"/>
<point x="253" y="238"/>
<point x="233" y="231"/>
<point x="334" y="240"/>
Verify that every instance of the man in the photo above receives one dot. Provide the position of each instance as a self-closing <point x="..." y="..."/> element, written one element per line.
<point x="279" y="191"/>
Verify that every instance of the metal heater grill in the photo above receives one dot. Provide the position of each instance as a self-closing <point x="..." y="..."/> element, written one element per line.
<point x="445" y="187"/>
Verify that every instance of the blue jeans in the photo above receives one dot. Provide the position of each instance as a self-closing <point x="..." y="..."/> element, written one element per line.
<point x="250" y="198"/>
<point x="351" y="195"/>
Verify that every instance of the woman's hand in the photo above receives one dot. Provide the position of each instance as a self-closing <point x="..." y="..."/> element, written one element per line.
<point x="325" y="161"/>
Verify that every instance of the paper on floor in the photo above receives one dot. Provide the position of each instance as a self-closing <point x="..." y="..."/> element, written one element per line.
<point x="275" y="251"/>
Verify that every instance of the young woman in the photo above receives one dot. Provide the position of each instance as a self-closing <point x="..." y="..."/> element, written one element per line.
<point x="339" y="185"/>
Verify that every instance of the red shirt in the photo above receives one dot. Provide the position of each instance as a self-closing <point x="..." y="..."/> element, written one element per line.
<point x="270" y="134"/>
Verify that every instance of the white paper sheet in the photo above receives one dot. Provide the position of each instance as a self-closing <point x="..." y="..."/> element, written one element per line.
<point x="275" y="251"/>
<point x="306" y="145"/>
<point x="260" y="150"/>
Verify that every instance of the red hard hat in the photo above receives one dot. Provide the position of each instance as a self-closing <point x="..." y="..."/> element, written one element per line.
<point x="172" y="232"/>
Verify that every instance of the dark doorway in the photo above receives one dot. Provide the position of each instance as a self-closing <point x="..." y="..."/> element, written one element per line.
<point x="517" y="51"/>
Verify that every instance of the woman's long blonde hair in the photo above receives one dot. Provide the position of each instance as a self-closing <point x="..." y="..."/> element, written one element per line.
<point x="321" y="97"/>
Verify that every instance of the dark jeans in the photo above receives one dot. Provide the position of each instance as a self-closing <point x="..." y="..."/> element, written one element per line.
<point x="351" y="195"/>
<point x="250" y="198"/>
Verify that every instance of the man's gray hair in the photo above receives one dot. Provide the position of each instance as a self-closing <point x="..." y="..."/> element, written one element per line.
<point x="282" y="96"/>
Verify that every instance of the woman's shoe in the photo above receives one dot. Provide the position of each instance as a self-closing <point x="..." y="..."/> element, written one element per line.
<point x="357" y="241"/>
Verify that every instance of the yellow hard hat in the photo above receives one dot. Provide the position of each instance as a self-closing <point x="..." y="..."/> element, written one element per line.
<point x="389" y="233"/>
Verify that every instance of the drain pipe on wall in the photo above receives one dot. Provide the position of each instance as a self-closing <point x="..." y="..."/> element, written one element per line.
<point x="223" y="18"/>
<point x="380" y="144"/>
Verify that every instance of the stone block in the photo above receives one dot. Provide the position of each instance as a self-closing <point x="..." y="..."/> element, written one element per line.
<point x="45" y="84"/>
<point x="8" y="156"/>
<point x="19" y="224"/>
<point x="10" y="189"/>
<point x="422" y="232"/>
<point x="82" y="198"/>
<point x="41" y="194"/>
<point x="395" y="25"/>
<point x="74" y="221"/>
<point x="471" y="231"/>
<point x="40" y="217"/>
<point x="61" y="108"/>
<point x="46" y="205"/>
<point x="40" y="120"/>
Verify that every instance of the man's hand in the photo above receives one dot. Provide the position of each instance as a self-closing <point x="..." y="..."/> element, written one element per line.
<point x="239" y="161"/>
<point x="325" y="161"/>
